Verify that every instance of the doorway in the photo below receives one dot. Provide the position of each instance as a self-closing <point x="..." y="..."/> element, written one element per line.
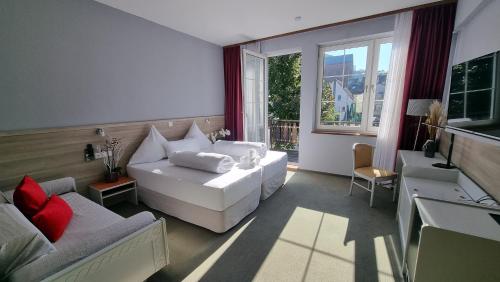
<point x="284" y="79"/>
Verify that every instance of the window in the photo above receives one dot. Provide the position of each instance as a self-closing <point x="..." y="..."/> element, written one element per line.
<point x="351" y="85"/>
<point x="472" y="88"/>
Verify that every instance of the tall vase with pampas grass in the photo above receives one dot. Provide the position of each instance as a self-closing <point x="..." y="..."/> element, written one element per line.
<point x="434" y="120"/>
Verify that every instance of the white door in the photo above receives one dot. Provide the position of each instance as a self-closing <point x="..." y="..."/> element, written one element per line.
<point x="254" y="97"/>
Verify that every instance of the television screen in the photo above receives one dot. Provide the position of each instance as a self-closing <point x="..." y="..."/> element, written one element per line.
<point x="474" y="101"/>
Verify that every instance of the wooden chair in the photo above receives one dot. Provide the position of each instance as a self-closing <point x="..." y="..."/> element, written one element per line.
<point x="363" y="168"/>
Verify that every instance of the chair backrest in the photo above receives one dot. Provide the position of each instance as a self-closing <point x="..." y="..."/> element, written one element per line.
<point x="362" y="155"/>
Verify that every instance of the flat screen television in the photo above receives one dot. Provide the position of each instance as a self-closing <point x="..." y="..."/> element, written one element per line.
<point x="474" y="100"/>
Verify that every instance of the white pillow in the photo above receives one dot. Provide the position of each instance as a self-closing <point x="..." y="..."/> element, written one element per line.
<point x="196" y="133"/>
<point x="152" y="148"/>
<point x="189" y="144"/>
<point x="20" y="241"/>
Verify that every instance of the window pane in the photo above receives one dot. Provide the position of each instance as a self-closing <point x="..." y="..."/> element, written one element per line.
<point x="479" y="105"/>
<point x="384" y="58"/>
<point x="328" y="115"/>
<point x="456" y="106"/>
<point x="480" y="73"/>
<point x="377" y="111"/>
<point x="458" y="78"/>
<point x="333" y="63"/>
<point x="329" y="85"/>
<point x="355" y="84"/>
<point x="355" y="60"/>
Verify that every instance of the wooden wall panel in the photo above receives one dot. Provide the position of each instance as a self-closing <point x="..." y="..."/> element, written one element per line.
<point x="480" y="161"/>
<point x="47" y="154"/>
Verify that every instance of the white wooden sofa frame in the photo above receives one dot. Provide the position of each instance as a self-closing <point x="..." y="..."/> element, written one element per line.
<point x="133" y="258"/>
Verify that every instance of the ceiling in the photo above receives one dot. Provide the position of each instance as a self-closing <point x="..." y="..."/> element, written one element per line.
<point x="226" y="22"/>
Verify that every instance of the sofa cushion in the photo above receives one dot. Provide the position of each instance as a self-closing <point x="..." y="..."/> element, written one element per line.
<point x="29" y="197"/>
<point x="53" y="218"/>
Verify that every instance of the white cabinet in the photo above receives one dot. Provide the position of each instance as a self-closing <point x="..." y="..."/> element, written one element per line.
<point x="452" y="241"/>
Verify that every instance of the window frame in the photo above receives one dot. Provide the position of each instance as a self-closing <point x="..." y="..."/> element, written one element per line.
<point x="465" y="120"/>
<point x="373" y="43"/>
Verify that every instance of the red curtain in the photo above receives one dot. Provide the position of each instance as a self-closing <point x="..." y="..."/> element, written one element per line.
<point x="233" y="108"/>
<point x="426" y="67"/>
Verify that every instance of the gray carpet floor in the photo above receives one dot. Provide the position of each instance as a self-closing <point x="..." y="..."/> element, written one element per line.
<point x="309" y="230"/>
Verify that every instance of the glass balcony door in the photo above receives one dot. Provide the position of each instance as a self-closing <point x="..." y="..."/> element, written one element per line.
<point x="254" y="97"/>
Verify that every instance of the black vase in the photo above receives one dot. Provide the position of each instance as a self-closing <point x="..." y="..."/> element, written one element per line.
<point x="111" y="176"/>
<point x="430" y="148"/>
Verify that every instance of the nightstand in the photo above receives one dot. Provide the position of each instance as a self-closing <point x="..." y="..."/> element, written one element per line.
<point x="104" y="190"/>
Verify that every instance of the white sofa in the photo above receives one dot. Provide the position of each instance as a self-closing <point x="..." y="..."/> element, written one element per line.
<point x="98" y="245"/>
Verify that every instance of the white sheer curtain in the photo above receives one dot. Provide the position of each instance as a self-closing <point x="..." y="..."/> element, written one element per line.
<point x="387" y="137"/>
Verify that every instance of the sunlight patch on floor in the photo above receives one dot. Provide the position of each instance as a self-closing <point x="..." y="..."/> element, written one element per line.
<point x="204" y="267"/>
<point x="384" y="268"/>
<point x="310" y="247"/>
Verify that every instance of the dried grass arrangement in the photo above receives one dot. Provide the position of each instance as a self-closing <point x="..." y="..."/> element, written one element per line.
<point x="112" y="153"/>
<point x="435" y="118"/>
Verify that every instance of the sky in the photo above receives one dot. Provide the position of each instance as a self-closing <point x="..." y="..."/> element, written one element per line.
<point x="360" y="54"/>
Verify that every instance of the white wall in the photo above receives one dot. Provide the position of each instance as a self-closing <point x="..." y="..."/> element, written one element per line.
<point x="478" y="29"/>
<point x="323" y="152"/>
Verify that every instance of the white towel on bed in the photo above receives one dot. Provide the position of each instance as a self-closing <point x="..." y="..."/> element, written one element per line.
<point x="239" y="148"/>
<point x="211" y="162"/>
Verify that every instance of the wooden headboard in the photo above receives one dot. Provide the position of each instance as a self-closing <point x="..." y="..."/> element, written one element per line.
<point x="47" y="154"/>
<point x="480" y="161"/>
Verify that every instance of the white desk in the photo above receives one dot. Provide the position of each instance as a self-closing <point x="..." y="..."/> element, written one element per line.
<point x="418" y="178"/>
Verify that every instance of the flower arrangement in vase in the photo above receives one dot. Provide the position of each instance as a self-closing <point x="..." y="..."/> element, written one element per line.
<point x="218" y="134"/>
<point x="112" y="152"/>
<point x="433" y="121"/>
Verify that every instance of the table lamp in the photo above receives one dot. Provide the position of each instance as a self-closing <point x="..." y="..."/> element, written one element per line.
<point x="418" y="108"/>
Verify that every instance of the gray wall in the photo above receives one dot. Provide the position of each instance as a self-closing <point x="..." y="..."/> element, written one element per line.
<point x="75" y="62"/>
<point x="323" y="152"/>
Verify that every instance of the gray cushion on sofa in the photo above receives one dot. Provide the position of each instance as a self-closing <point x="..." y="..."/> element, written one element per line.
<point x="91" y="229"/>
<point x="57" y="186"/>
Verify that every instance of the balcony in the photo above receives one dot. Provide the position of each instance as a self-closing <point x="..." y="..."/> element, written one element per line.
<point x="284" y="136"/>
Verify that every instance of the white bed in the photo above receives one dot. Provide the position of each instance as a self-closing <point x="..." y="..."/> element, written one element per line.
<point x="214" y="201"/>
<point x="274" y="166"/>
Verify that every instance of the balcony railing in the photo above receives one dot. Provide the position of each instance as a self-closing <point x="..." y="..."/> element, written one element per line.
<point x="284" y="134"/>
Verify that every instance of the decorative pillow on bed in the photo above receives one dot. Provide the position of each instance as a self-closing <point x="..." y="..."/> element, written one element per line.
<point x="211" y="162"/>
<point x="189" y="144"/>
<point x="53" y="219"/>
<point x="152" y="148"/>
<point x="20" y="241"/>
<point x="29" y="197"/>
<point x="196" y="133"/>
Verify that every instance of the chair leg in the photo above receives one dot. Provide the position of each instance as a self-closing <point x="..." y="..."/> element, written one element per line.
<point x="352" y="183"/>
<point x="372" y="193"/>
<point x="394" y="192"/>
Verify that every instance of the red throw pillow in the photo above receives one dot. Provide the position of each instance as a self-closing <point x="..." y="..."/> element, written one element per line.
<point x="53" y="219"/>
<point x="29" y="197"/>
